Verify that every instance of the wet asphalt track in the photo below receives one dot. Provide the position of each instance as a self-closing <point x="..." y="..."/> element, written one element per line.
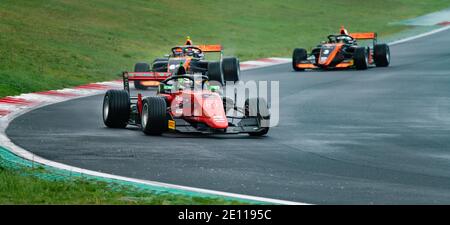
<point x="345" y="137"/>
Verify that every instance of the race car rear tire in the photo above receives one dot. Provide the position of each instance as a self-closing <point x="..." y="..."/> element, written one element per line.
<point x="231" y="69"/>
<point x="141" y="67"/>
<point x="116" y="108"/>
<point x="159" y="66"/>
<point x="153" y="116"/>
<point x="361" y="58"/>
<point x="298" y="55"/>
<point x="381" y="55"/>
<point x="199" y="66"/>
<point x="215" y="72"/>
<point x="258" y="107"/>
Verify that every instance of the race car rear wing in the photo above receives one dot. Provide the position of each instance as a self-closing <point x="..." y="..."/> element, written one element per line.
<point x="365" y="36"/>
<point x="143" y="76"/>
<point x="368" y="35"/>
<point x="211" y="48"/>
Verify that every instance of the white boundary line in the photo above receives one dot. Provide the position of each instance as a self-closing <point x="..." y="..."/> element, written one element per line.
<point x="419" y="36"/>
<point x="256" y="64"/>
<point x="6" y="142"/>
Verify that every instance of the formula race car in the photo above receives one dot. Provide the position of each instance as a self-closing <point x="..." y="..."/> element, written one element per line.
<point x="192" y="59"/>
<point x="184" y="103"/>
<point x="342" y="51"/>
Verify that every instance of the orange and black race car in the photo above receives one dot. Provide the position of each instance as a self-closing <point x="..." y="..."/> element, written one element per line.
<point x="342" y="51"/>
<point x="191" y="59"/>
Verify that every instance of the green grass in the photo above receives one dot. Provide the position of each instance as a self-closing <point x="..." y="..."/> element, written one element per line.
<point x="22" y="187"/>
<point x="50" y="44"/>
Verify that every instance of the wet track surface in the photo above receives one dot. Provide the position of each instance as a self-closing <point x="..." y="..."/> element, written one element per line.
<point x="375" y="136"/>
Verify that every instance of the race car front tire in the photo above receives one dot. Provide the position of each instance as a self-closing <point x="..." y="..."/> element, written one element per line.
<point x="258" y="107"/>
<point x="381" y="55"/>
<point x="141" y="67"/>
<point x="153" y="116"/>
<point x="361" y="58"/>
<point x="298" y="55"/>
<point x="116" y="108"/>
<point x="231" y="69"/>
<point x="215" y="72"/>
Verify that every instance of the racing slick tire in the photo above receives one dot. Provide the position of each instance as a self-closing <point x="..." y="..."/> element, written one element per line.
<point x="199" y="67"/>
<point x="159" y="66"/>
<point x="298" y="55"/>
<point x="258" y="107"/>
<point x="231" y="69"/>
<point x="153" y="116"/>
<point x="215" y="72"/>
<point x="116" y="108"/>
<point x="361" y="58"/>
<point x="381" y="55"/>
<point x="141" y="67"/>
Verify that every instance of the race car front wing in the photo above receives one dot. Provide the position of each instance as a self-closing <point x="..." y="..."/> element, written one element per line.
<point x="236" y="125"/>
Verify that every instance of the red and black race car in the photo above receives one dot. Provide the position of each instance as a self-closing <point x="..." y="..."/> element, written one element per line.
<point x="192" y="59"/>
<point x="184" y="103"/>
<point x="342" y="51"/>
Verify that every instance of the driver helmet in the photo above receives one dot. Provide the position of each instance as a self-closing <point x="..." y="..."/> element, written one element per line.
<point x="183" y="83"/>
<point x="349" y="40"/>
<point x="189" y="52"/>
<point x="198" y="53"/>
<point x="344" y="39"/>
